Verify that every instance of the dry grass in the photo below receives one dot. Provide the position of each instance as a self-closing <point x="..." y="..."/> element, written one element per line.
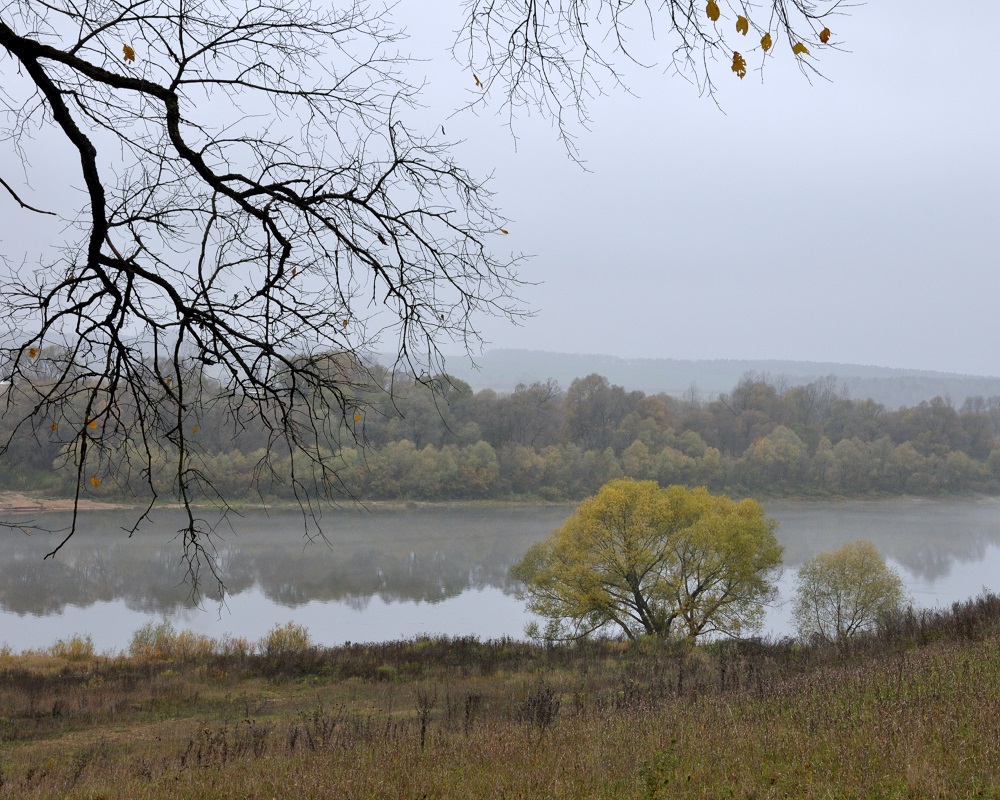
<point x="912" y="712"/>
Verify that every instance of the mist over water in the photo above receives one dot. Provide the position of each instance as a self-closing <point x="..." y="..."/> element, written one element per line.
<point x="398" y="573"/>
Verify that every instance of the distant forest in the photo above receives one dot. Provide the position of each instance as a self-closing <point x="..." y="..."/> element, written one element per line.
<point x="542" y="441"/>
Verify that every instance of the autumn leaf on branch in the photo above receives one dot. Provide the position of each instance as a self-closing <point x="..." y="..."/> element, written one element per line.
<point x="800" y="49"/>
<point x="739" y="65"/>
<point x="824" y="35"/>
<point x="712" y="10"/>
<point x="765" y="42"/>
<point x="742" y="25"/>
<point x="129" y="53"/>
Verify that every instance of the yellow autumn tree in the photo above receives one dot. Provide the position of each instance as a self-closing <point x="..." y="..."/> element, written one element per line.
<point x="639" y="559"/>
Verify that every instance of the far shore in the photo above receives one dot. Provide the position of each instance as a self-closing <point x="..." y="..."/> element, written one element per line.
<point x="30" y="502"/>
<point x="14" y="502"/>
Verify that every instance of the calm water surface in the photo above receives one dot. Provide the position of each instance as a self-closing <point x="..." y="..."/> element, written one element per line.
<point x="389" y="574"/>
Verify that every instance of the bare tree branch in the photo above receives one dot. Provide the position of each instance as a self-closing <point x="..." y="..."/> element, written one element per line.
<point x="554" y="58"/>
<point x="257" y="217"/>
<point x="20" y="202"/>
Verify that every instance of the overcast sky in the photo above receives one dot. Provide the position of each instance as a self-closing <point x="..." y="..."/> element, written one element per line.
<point x="849" y="221"/>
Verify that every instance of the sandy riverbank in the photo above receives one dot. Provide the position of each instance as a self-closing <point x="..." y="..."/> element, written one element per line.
<point x="26" y="502"/>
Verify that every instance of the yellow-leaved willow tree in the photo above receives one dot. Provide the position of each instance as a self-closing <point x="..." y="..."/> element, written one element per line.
<point x="639" y="559"/>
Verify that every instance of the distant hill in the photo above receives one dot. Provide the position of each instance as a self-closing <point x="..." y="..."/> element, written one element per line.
<point x="502" y="370"/>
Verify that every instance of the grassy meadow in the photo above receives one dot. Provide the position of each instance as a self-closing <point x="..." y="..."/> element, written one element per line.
<point x="910" y="711"/>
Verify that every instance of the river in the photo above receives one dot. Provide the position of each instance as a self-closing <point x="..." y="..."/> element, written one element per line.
<point x="396" y="573"/>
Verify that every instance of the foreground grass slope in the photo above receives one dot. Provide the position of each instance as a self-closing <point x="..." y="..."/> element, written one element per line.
<point x="911" y="712"/>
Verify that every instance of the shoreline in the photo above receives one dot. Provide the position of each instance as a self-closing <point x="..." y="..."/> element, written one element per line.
<point x="20" y="502"/>
<point x="13" y="502"/>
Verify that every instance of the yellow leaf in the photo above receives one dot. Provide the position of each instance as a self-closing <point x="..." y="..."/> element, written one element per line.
<point x="357" y="416"/>
<point x="92" y="424"/>
<point x="739" y="65"/>
<point x="54" y="426"/>
<point x="95" y="481"/>
<point x="479" y="83"/>
<point x="195" y="429"/>
<point x="800" y="49"/>
<point x="34" y="351"/>
<point x="742" y="25"/>
<point x="343" y="324"/>
<point x="765" y="42"/>
<point x="169" y="381"/>
<point x="712" y="10"/>
<point x="505" y="232"/>
<point x="824" y="35"/>
<point x="129" y="52"/>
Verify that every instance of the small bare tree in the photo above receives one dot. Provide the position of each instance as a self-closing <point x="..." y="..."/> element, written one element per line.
<point x="256" y="216"/>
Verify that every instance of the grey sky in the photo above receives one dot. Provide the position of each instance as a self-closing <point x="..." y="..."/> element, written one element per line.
<point x="848" y="221"/>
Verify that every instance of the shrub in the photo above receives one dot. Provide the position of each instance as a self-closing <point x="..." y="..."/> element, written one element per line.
<point x="191" y="646"/>
<point x="283" y="640"/>
<point x="154" y="640"/>
<point x="76" y="648"/>
<point x="237" y="647"/>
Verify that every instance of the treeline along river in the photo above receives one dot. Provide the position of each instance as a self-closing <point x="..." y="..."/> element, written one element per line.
<point x="552" y="445"/>
<point x="396" y="573"/>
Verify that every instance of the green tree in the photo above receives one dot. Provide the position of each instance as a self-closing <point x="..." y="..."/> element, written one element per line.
<point x="644" y="560"/>
<point x="521" y="469"/>
<point x="637" y="462"/>
<point x="594" y="409"/>
<point x="672" y="466"/>
<point x="845" y="591"/>
<point x="791" y="454"/>
<point x="478" y="470"/>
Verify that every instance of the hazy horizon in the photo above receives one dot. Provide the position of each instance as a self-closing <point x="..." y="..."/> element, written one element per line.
<point x="491" y="350"/>
<point x="845" y="220"/>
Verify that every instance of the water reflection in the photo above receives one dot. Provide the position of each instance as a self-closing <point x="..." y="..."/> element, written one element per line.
<point x="423" y="554"/>
<point x="926" y="537"/>
<point x="389" y="573"/>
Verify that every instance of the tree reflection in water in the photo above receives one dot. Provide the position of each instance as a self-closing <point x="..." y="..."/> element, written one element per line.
<point x="430" y="554"/>
<point x="927" y="537"/>
<point x="422" y="554"/>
